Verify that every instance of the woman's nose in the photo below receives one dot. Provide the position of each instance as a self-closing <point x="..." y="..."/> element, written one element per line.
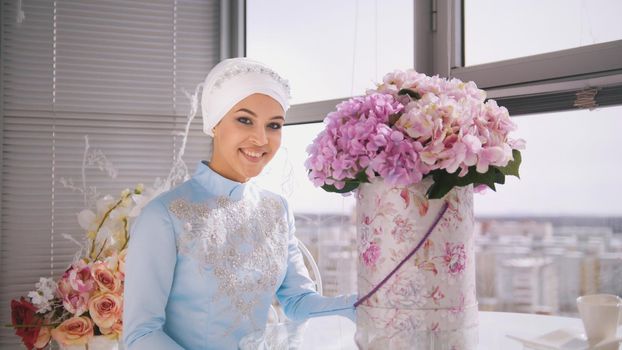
<point x="259" y="136"/>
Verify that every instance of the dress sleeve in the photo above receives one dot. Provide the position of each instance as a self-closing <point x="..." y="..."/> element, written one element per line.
<point x="149" y="269"/>
<point x="297" y="293"/>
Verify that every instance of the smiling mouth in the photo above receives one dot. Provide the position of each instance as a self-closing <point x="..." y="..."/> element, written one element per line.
<point x="252" y="156"/>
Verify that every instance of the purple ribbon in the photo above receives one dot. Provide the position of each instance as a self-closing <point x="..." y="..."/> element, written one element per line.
<point x="425" y="237"/>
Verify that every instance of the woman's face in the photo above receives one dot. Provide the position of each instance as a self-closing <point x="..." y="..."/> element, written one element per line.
<point x="247" y="137"/>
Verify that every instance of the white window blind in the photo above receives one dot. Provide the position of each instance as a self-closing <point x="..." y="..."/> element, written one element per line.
<point x="113" y="70"/>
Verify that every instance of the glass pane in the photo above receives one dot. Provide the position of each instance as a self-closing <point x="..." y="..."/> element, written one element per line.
<point x="570" y="167"/>
<point x="500" y="30"/>
<point x="286" y="174"/>
<point x="330" y="49"/>
<point x="562" y="218"/>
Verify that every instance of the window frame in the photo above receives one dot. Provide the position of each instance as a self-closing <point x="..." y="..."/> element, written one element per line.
<point x="232" y="28"/>
<point x="541" y="83"/>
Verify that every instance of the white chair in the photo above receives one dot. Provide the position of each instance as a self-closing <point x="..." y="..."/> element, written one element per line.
<point x="316" y="270"/>
<point x="317" y="279"/>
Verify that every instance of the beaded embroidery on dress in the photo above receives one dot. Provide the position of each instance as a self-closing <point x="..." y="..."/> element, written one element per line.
<point x="244" y="243"/>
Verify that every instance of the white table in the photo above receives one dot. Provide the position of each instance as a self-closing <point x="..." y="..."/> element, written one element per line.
<point x="337" y="333"/>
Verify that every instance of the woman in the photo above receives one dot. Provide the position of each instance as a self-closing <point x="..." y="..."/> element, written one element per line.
<point x="206" y="258"/>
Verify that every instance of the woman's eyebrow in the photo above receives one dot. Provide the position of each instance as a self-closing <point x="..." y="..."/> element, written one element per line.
<point x="255" y="115"/>
<point x="247" y="111"/>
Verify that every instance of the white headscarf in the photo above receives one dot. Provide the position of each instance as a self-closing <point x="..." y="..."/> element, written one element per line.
<point x="234" y="79"/>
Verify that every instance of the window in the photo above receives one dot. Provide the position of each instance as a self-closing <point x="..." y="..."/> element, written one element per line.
<point x="570" y="167"/>
<point x="556" y="233"/>
<point x="562" y="218"/>
<point x="525" y="28"/>
<point x="531" y="56"/>
<point x="330" y="49"/>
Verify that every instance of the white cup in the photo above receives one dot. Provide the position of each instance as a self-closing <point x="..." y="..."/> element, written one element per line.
<point x="600" y="314"/>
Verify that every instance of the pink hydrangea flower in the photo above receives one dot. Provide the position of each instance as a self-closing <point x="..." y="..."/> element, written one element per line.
<point x="355" y="135"/>
<point x="446" y="125"/>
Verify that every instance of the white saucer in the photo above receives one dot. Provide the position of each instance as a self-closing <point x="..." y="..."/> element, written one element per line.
<point x="565" y="339"/>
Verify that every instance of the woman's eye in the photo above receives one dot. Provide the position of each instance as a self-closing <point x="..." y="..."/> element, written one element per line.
<point x="244" y="120"/>
<point x="275" y="126"/>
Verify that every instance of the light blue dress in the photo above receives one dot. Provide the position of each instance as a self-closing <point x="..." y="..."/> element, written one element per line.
<point x="205" y="261"/>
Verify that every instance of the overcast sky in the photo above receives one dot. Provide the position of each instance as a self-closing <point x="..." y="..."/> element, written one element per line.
<point x="572" y="164"/>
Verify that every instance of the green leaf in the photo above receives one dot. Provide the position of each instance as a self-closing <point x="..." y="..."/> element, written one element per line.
<point x="491" y="186"/>
<point x="512" y="167"/>
<point x="442" y="184"/>
<point x="499" y="176"/>
<point x="438" y="191"/>
<point x="350" y="184"/>
<point x="488" y="178"/>
<point x="362" y="176"/>
<point x="444" y="181"/>
<point x="413" y="94"/>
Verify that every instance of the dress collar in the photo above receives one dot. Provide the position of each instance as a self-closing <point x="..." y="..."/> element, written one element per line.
<point x="216" y="183"/>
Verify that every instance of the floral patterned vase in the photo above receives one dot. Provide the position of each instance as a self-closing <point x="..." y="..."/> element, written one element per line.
<point x="430" y="302"/>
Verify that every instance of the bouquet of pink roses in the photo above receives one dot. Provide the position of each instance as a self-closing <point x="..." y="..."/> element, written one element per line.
<point x="414" y="126"/>
<point x="87" y="300"/>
